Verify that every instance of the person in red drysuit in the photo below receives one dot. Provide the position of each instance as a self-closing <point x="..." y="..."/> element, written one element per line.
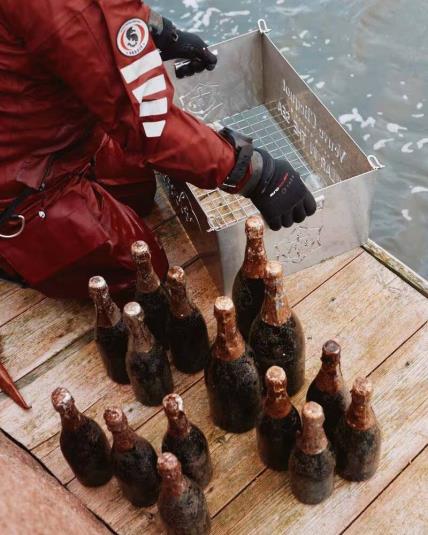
<point x="86" y="118"/>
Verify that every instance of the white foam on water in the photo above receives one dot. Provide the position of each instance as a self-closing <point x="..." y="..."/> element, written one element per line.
<point x="418" y="189"/>
<point x="382" y="143"/>
<point x="366" y="137"/>
<point x="369" y="95"/>
<point x="418" y="115"/>
<point x="419" y="105"/>
<point x="306" y="44"/>
<point x="327" y="41"/>
<point x="422" y="142"/>
<point x="405" y="214"/>
<point x="357" y="117"/>
<point x="320" y="85"/>
<point x="243" y="13"/>
<point x="194" y="4"/>
<point x="394" y="128"/>
<point x="330" y="58"/>
<point x="405" y="97"/>
<point x="302" y="34"/>
<point x="406" y="147"/>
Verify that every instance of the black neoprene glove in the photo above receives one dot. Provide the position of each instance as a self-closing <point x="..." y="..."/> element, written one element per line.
<point x="175" y="44"/>
<point x="280" y="194"/>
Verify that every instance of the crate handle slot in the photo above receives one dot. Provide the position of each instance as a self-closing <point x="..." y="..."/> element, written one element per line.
<point x="263" y="27"/>
<point x="374" y="162"/>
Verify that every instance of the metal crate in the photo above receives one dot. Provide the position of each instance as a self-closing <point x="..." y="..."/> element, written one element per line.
<point x="256" y="91"/>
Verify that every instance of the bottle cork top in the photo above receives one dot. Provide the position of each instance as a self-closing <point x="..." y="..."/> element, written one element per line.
<point x="254" y="227"/>
<point x="331" y="353"/>
<point x="312" y="440"/>
<point x="176" y="276"/>
<point x="98" y="288"/>
<point x="223" y="306"/>
<point x="173" y="405"/>
<point x="312" y="413"/>
<point x="362" y="390"/>
<point x="62" y="400"/>
<point x="140" y="252"/>
<point x="276" y="379"/>
<point x="169" y="466"/>
<point x="133" y="310"/>
<point x="115" y="419"/>
<point x="274" y="272"/>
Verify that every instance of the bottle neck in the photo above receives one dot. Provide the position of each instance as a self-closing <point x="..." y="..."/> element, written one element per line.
<point x="229" y="344"/>
<point x="174" y="487"/>
<point x="312" y="439"/>
<point x="275" y="309"/>
<point x="147" y="279"/>
<point x="107" y="312"/>
<point x="255" y="260"/>
<point x="141" y="339"/>
<point x="124" y="440"/>
<point x="329" y="379"/>
<point x="181" y="306"/>
<point x="361" y="416"/>
<point x="72" y="419"/>
<point x="277" y="404"/>
<point x="179" y="426"/>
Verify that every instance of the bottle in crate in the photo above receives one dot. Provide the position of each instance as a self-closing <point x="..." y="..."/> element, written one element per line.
<point x="279" y="424"/>
<point x="150" y="293"/>
<point x="134" y="461"/>
<point x="358" y="436"/>
<point x="328" y="389"/>
<point x="312" y="460"/>
<point x="231" y="378"/>
<point x="83" y="443"/>
<point x="188" y="334"/>
<point x="146" y="360"/>
<point x="276" y="336"/>
<point x="248" y="287"/>
<point x="182" y="504"/>
<point x="111" y="335"/>
<point x="187" y="442"/>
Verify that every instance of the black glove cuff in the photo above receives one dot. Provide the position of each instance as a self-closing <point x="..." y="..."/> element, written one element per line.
<point x="165" y="34"/>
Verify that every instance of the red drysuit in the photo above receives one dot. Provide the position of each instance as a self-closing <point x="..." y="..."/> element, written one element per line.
<point x="72" y="88"/>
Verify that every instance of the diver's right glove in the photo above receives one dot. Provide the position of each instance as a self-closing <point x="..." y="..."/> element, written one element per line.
<point x="275" y="188"/>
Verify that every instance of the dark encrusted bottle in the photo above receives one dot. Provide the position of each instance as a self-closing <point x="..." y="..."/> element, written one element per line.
<point x="248" y="288"/>
<point x="312" y="460"/>
<point x="358" y="436"/>
<point x="83" y="443"/>
<point x="187" y="442"/>
<point x="188" y="334"/>
<point x="134" y="461"/>
<point x="232" y="381"/>
<point x="328" y="389"/>
<point x="182" y="504"/>
<point x="111" y="335"/>
<point x="276" y="336"/>
<point x="277" y="429"/>
<point x="150" y="293"/>
<point x="146" y="360"/>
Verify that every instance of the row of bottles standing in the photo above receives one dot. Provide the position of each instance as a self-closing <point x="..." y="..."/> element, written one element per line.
<point x="174" y="480"/>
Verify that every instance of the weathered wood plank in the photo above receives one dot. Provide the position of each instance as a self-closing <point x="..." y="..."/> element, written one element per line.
<point x="403" y="503"/>
<point x="400" y="403"/>
<point x="17" y="301"/>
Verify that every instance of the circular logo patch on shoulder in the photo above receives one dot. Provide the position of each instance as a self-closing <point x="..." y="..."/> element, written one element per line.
<point x="133" y="36"/>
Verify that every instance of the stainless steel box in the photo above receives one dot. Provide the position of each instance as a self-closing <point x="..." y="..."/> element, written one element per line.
<point x="256" y="91"/>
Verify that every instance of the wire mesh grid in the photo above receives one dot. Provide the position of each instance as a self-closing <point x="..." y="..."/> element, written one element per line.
<point x="263" y="124"/>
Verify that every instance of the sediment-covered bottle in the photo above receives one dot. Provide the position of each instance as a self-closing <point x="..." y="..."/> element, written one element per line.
<point x="248" y="287"/>
<point x="312" y="460"/>
<point x="111" y="335"/>
<point x="188" y="334"/>
<point x="146" y="360"/>
<point x="276" y="336"/>
<point x="358" y="436"/>
<point x="182" y="504"/>
<point x="83" y="443"/>
<point x="231" y="378"/>
<point x="187" y="442"/>
<point x="133" y="460"/>
<point x="328" y="389"/>
<point x="279" y="424"/>
<point x="150" y="293"/>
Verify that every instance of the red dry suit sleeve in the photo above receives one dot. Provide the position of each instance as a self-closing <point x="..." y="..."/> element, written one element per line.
<point x="104" y="52"/>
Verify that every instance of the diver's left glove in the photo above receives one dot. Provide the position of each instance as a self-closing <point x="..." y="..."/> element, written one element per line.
<point x="175" y="44"/>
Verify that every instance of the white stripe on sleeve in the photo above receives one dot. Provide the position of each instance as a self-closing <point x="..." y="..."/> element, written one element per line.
<point x="154" y="107"/>
<point x="155" y="85"/>
<point x="154" y="129"/>
<point x="140" y="66"/>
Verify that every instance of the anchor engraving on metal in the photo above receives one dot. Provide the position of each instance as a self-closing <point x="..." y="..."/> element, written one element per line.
<point x="202" y="100"/>
<point x="302" y="243"/>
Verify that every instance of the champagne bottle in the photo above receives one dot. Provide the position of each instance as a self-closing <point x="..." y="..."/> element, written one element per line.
<point x="182" y="504"/>
<point x="328" y="389"/>
<point x="277" y="429"/>
<point x="146" y="361"/>
<point x="312" y="460"/>
<point x="187" y="442"/>
<point x="232" y="381"/>
<point x="134" y="461"/>
<point x="276" y="336"/>
<point x="111" y="335"/>
<point x="188" y="334"/>
<point x="248" y="287"/>
<point x="358" y="437"/>
<point x="150" y="293"/>
<point x="83" y="443"/>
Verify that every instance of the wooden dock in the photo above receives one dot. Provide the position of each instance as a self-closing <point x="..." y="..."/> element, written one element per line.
<point x="380" y="322"/>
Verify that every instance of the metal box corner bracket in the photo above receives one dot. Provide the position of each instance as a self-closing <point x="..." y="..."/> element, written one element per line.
<point x="256" y="91"/>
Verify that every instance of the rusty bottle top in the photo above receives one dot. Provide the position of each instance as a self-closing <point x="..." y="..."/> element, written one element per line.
<point x="229" y="344"/>
<point x="63" y="403"/>
<point x="107" y="312"/>
<point x="277" y="403"/>
<point x="178" y="424"/>
<point x="312" y="440"/>
<point x="147" y="279"/>
<point x="275" y="309"/>
<point x="329" y="378"/>
<point x="141" y="337"/>
<point x="181" y="305"/>
<point x="117" y="423"/>
<point x="255" y="253"/>
<point x="360" y="414"/>
<point x="169" y="468"/>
